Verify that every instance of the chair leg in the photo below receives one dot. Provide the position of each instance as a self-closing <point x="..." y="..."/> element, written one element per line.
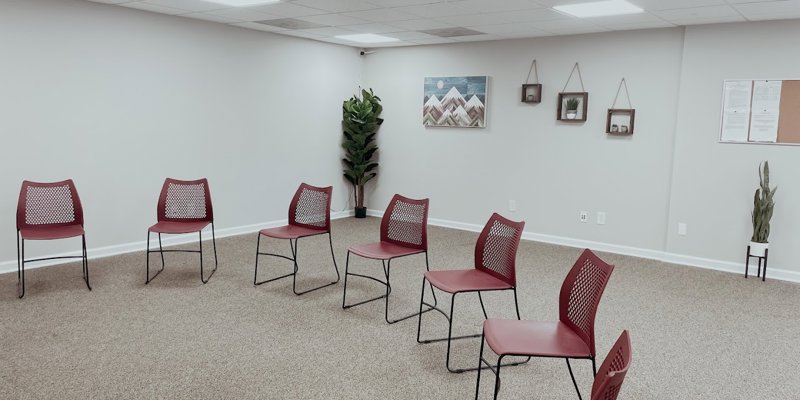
<point x="85" y="262"/>
<point x="255" y="273"/>
<point x="571" y="375"/>
<point x="21" y="265"/>
<point x="296" y="268"/>
<point x="200" y="234"/>
<point x="388" y="270"/>
<point x="333" y="256"/>
<point x="148" y="251"/>
<point x="344" y="292"/>
<point x="497" y="378"/>
<point x="479" y="368"/>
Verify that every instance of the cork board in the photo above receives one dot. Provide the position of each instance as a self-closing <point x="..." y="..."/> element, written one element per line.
<point x="789" y="121"/>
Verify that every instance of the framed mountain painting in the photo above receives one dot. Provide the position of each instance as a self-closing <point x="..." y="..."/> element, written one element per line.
<point x="458" y="101"/>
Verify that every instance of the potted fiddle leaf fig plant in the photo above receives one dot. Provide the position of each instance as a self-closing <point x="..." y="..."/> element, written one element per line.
<point x="762" y="212"/>
<point x="572" y="107"/>
<point x="360" y="123"/>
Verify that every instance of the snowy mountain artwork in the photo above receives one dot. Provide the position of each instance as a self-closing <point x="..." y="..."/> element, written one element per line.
<point x="455" y="102"/>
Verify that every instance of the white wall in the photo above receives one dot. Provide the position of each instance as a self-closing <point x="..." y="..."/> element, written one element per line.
<point x="552" y="169"/>
<point x="118" y="99"/>
<point x="671" y="170"/>
<point x="713" y="183"/>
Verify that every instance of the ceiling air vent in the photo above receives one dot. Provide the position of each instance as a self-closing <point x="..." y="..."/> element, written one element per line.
<point x="290" y="23"/>
<point x="452" y="32"/>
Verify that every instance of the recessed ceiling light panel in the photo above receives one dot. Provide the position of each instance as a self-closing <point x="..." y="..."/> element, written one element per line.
<point x="599" y="9"/>
<point x="243" y="3"/>
<point x="367" y="38"/>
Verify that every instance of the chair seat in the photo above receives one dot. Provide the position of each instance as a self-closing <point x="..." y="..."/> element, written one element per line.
<point x="291" y="232"/>
<point x="465" y="280"/>
<point x="382" y="250"/>
<point x="174" y="227"/>
<point x="534" y="338"/>
<point x="51" y="232"/>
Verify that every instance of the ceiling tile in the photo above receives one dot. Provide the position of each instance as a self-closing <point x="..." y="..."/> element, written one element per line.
<point x="657" y="5"/>
<point x="213" y="18"/>
<point x="244" y="14"/>
<point x="330" y="31"/>
<point x="401" y="3"/>
<point x="568" y="27"/>
<point x="411" y="35"/>
<point x="154" y="8"/>
<point x="421" y="24"/>
<point x="708" y="20"/>
<point x="337" y="6"/>
<point x="435" y="10"/>
<point x="433" y="41"/>
<point x="472" y="20"/>
<point x="287" y="10"/>
<point x="188" y="5"/>
<point x="259" y="27"/>
<point x="372" y="28"/>
<point x="381" y="15"/>
<point x="507" y="28"/>
<point x="111" y="1"/>
<point x="333" y="19"/>
<point x="697" y="12"/>
<point x="485" y="6"/>
<point x="539" y="14"/>
<point x="302" y="34"/>
<point x="770" y="10"/>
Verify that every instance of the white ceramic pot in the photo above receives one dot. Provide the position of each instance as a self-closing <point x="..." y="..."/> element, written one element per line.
<point x="572" y="114"/>
<point x="758" y="249"/>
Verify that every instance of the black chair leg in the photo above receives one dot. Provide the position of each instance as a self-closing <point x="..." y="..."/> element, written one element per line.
<point x="571" y="375"/>
<point x="148" y="251"/>
<point x="21" y="263"/>
<point x="85" y="262"/>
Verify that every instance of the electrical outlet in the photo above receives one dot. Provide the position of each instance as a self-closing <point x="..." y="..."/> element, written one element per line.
<point x="682" y="228"/>
<point x="601" y="218"/>
<point x="512" y="205"/>
<point x="584" y="216"/>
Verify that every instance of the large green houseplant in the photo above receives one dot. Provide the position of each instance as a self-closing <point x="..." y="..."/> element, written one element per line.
<point x="360" y="123"/>
<point x="762" y="212"/>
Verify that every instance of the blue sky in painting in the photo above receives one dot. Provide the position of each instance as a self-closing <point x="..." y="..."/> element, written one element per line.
<point x="466" y="85"/>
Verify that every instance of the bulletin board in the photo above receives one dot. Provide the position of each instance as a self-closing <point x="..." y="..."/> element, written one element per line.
<point x="760" y="111"/>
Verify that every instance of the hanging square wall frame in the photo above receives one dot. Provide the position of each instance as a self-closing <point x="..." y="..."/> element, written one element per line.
<point x="573" y="106"/>
<point x="620" y="121"/>
<point x="532" y="92"/>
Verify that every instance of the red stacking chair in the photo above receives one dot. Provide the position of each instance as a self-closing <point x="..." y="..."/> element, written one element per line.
<point x="48" y="211"/>
<point x="404" y="232"/>
<point x="608" y="381"/>
<point x="309" y="215"/>
<point x="183" y="207"/>
<point x="572" y="336"/>
<point x="495" y="260"/>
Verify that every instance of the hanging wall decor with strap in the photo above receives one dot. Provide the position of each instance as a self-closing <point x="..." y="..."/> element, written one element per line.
<point x="619" y="121"/>
<point x="573" y="106"/>
<point x="532" y="92"/>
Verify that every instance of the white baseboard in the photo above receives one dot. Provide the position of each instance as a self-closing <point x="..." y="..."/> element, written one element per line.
<point x="672" y="258"/>
<point x="170" y="240"/>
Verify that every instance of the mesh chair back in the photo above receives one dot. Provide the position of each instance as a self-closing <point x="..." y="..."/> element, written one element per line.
<point x="48" y="204"/>
<point x="580" y="295"/>
<point x="496" y="250"/>
<point x="185" y="201"/>
<point x="311" y="207"/>
<point x="612" y="371"/>
<point x="405" y="223"/>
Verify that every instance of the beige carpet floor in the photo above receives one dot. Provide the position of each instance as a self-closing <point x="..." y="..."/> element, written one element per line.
<point x="697" y="334"/>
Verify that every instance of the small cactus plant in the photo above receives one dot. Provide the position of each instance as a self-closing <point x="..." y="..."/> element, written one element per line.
<point x="572" y="103"/>
<point x="762" y="205"/>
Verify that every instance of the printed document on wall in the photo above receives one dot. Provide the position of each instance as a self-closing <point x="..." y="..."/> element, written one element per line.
<point x="736" y="110"/>
<point x="765" y="111"/>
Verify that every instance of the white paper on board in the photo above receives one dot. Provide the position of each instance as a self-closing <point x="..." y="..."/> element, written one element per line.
<point x="737" y="96"/>
<point x="765" y="111"/>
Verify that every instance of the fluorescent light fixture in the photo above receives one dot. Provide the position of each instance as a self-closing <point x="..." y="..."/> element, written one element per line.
<point x="367" y="38"/>
<point x="243" y="3"/>
<point x="599" y="9"/>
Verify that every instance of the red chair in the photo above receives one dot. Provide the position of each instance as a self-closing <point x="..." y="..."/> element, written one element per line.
<point x="404" y="232"/>
<point x="608" y="381"/>
<point x="49" y="211"/>
<point x="572" y="336"/>
<point x="183" y="207"/>
<point x="309" y="215"/>
<point x="495" y="266"/>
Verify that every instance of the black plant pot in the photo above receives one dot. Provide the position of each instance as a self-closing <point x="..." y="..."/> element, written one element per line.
<point x="361" y="212"/>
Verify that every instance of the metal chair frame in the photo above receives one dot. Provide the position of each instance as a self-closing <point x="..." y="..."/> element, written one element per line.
<point x="21" y="261"/>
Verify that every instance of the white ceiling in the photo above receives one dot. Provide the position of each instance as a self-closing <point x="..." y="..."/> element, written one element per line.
<point x="496" y="19"/>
